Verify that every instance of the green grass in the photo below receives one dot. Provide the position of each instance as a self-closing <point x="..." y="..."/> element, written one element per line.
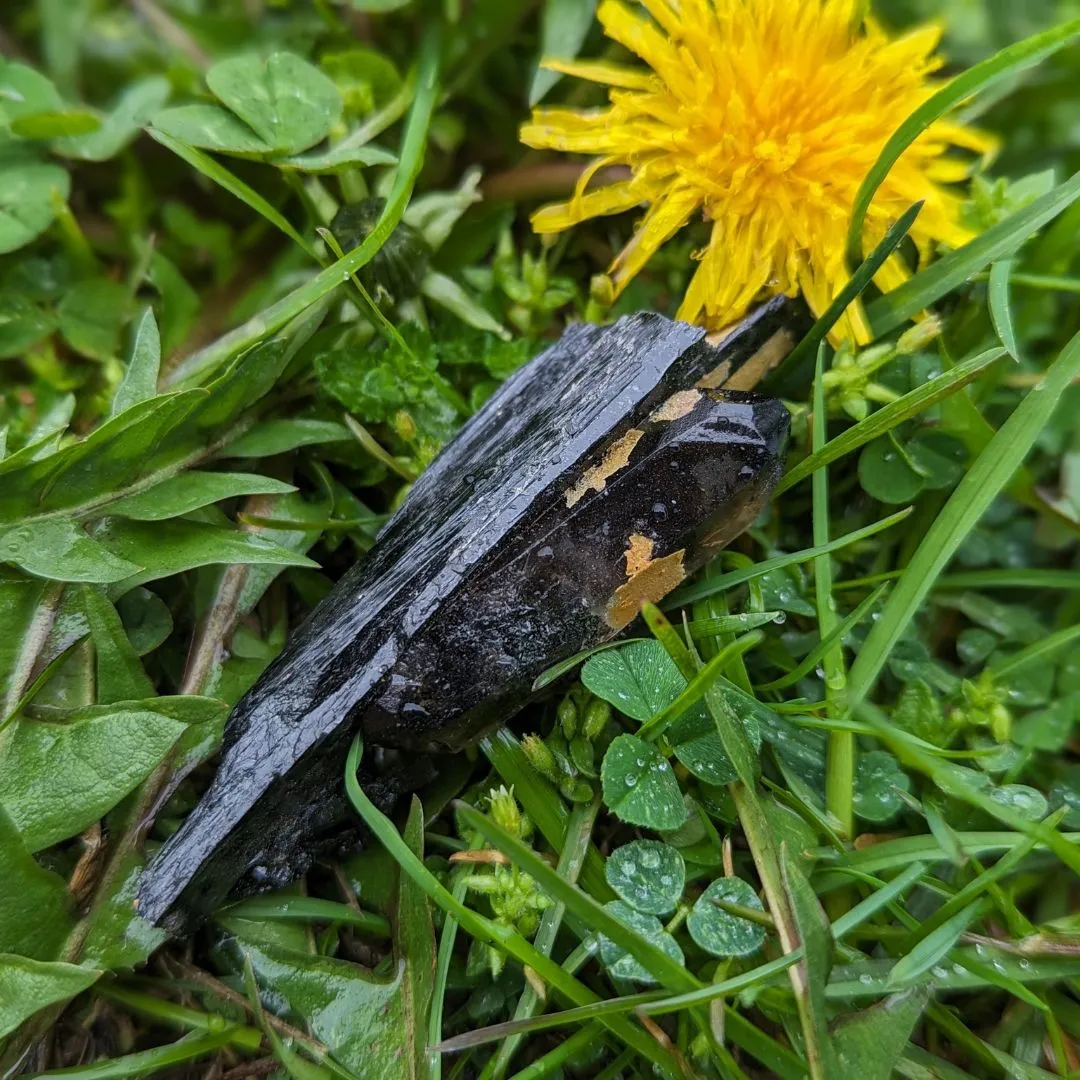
<point x="837" y="769"/>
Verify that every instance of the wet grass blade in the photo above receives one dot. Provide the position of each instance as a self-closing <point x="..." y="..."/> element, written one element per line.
<point x="723" y="582"/>
<point x="1000" y="311"/>
<point x="1009" y="61"/>
<point x="990" y="473"/>
<point x="848" y="294"/>
<point x="955" y="269"/>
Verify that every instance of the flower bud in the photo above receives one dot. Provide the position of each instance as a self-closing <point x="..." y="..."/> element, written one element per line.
<point x="596" y="717"/>
<point x="919" y="336"/>
<point x="568" y="717"/>
<point x="505" y="812"/>
<point x="540" y="757"/>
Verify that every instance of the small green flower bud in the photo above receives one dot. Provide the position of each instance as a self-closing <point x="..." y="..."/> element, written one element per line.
<point x="540" y="757"/>
<point x="505" y="812"/>
<point x="568" y="717"/>
<point x="919" y="336"/>
<point x="597" y="716"/>
<point x="576" y="790"/>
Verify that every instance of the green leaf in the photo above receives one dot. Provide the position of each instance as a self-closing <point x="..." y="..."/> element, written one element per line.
<point x="120" y="675"/>
<point x="56" y="125"/>
<point x="640" y="786"/>
<point x="91" y="315"/>
<point x="934" y="947"/>
<point x="22" y="324"/>
<point x="697" y="744"/>
<point x="161" y="550"/>
<point x="937" y="457"/>
<point x="886" y="473"/>
<point x="1000" y="310"/>
<point x="25" y="91"/>
<point x="25" y="621"/>
<point x="337" y="159"/>
<point x="867" y="1045"/>
<point x="27" y="190"/>
<point x="280" y="314"/>
<point x="1023" y="799"/>
<point x="639" y="679"/>
<point x="564" y="25"/>
<point x="992" y="470"/>
<point x="414" y="950"/>
<point x="57" y="779"/>
<point x="356" y="1014"/>
<point x="952" y="270"/>
<point x="817" y="943"/>
<point x="648" y="875"/>
<point x="618" y="961"/>
<point x="210" y="128"/>
<point x="878" y="783"/>
<point x="59" y="549"/>
<point x="1006" y="62"/>
<point x="280" y="436"/>
<point x="289" y="104"/>
<point x="717" y="931"/>
<point x="35" y="905"/>
<point x="135" y="106"/>
<point x="141" y="374"/>
<point x="892" y="415"/>
<point x="191" y="490"/>
<point x="117" y="936"/>
<point x="29" y="985"/>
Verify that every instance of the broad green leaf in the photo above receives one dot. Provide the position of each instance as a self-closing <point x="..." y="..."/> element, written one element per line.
<point x="117" y="936"/>
<point x="1025" y="800"/>
<point x="29" y="985"/>
<point x="23" y="323"/>
<point x="564" y="26"/>
<point x="57" y="779"/>
<point x="639" y="679"/>
<point x="867" y="1045"/>
<point x="992" y="470"/>
<point x="35" y="904"/>
<point x="648" y="875"/>
<point x="137" y="103"/>
<point x="209" y="127"/>
<point x="448" y="294"/>
<point x="61" y="550"/>
<point x="140" y="376"/>
<point x="886" y="473"/>
<point x="120" y="675"/>
<point x="640" y="786"/>
<point x="934" y="947"/>
<point x="280" y="436"/>
<point x="618" y="961"/>
<point x="146" y="618"/>
<point x="25" y="624"/>
<point x="191" y="490"/>
<point x="697" y="744"/>
<point x="161" y="549"/>
<point x="289" y="104"/>
<point x="27" y="190"/>
<point x="25" y="91"/>
<point x="356" y="1014"/>
<point x="91" y="315"/>
<point x="878" y="783"/>
<point x="719" y="932"/>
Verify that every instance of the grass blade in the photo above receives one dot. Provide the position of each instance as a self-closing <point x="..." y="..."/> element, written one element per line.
<point x="888" y="417"/>
<point x="1000" y="311"/>
<point x="953" y="270"/>
<point x="848" y="294"/>
<point x="723" y="582"/>
<point x="991" y="472"/>
<point x="1001" y="65"/>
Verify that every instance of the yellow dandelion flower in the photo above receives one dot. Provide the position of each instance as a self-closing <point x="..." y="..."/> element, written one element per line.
<point x="763" y="116"/>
